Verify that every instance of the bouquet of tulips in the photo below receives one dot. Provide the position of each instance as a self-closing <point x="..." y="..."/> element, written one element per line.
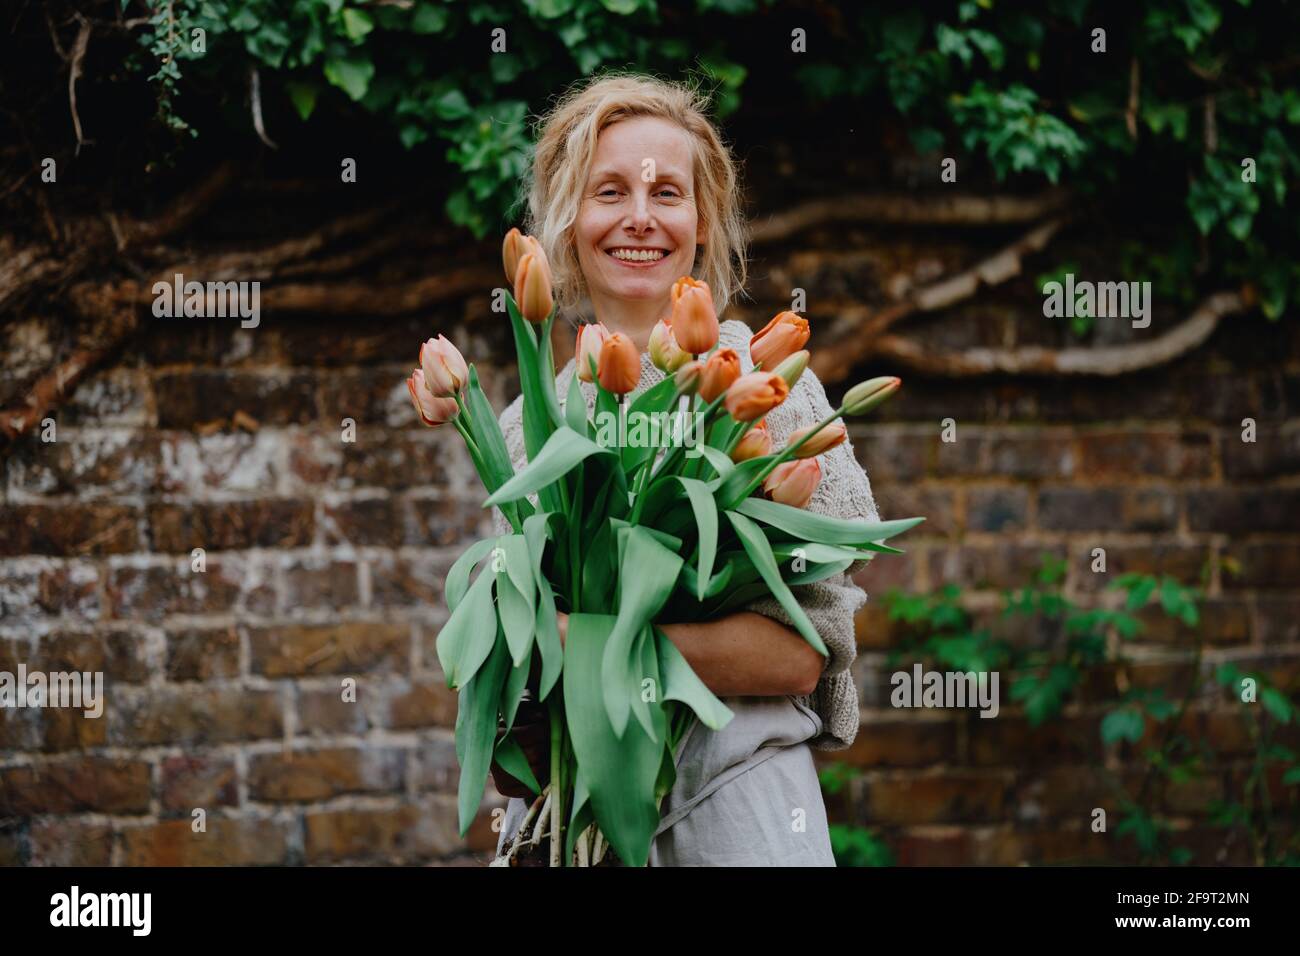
<point x="619" y="534"/>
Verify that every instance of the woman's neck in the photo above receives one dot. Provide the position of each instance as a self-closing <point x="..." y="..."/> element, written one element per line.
<point x="634" y="318"/>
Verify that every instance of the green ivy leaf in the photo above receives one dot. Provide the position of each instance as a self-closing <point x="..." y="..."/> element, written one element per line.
<point x="351" y="75"/>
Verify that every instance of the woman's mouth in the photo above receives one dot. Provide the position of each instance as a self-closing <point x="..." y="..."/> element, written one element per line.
<point x="637" y="258"/>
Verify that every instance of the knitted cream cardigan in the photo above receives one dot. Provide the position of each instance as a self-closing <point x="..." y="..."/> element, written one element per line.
<point x="844" y="491"/>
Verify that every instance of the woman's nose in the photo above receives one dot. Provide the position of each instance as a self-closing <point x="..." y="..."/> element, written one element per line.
<point x="640" y="219"/>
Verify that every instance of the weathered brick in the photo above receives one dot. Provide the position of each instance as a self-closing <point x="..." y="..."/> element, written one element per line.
<point x="902" y="743"/>
<point x="1068" y="794"/>
<point x="438" y="767"/>
<point x="1012" y="741"/>
<point x="344" y="648"/>
<point x="932" y="846"/>
<point x="75" y="785"/>
<point x="191" y="716"/>
<point x="199" y="654"/>
<point x="1274" y="453"/>
<point x="69" y="529"/>
<point x="1137" y="454"/>
<point x="424" y="703"/>
<point x="107" y="398"/>
<point x="89" y="464"/>
<point x="959" y="796"/>
<point x="890" y="456"/>
<point x="1240" y="510"/>
<point x="996" y="508"/>
<point x="1183" y="562"/>
<point x="325" y="712"/>
<point x="402" y="581"/>
<point x="1222" y="621"/>
<point x="364" y="521"/>
<point x="301" y="776"/>
<point x="1151" y="509"/>
<point x="237" y="585"/>
<point x="935" y="503"/>
<point x="225" y="842"/>
<point x="422" y="831"/>
<point x="1029" y="454"/>
<point x="202" y="397"/>
<point x="319" y="582"/>
<point x="438" y="522"/>
<point x="1262" y="564"/>
<point x="1067" y="508"/>
<point x="221" y="461"/>
<point x="192" y="781"/>
<point x="997" y="566"/>
<point x="62" y="842"/>
<point x="119" y="655"/>
<point x="230" y="525"/>
<point x="1277" y="619"/>
<point x="29" y="593"/>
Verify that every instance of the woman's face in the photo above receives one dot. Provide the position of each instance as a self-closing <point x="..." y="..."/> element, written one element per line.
<point x="636" y="237"/>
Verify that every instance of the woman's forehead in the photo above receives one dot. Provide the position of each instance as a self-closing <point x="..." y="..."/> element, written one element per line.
<point x="625" y="146"/>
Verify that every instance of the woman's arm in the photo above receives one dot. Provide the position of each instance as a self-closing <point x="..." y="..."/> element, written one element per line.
<point x="744" y="655"/>
<point x="747" y="654"/>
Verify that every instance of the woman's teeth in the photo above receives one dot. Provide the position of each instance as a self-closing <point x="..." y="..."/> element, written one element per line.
<point x="637" y="255"/>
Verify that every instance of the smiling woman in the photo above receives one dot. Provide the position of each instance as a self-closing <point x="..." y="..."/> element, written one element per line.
<point x="634" y="199"/>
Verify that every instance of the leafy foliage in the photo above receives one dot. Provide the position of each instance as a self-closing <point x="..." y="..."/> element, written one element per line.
<point x="1161" y="123"/>
<point x="1143" y="725"/>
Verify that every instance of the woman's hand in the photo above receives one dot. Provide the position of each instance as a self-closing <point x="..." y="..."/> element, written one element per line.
<point x="532" y="731"/>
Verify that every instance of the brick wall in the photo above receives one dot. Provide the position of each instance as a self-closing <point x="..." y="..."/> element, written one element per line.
<point x="325" y="561"/>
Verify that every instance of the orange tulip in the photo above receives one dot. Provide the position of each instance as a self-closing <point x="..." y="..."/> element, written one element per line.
<point x="786" y="334"/>
<point x="433" y="411"/>
<point x="515" y="246"/>
<point x="591" y="337"/>
<point x="694" y="320"/>
<point x="445" y="373"/>
<point x="511" y="251"/>
<point x="830" y="436"/>
<point x="754" y="395"/>
<point x="755" y="443"/>
<point x="793" y="482"/>
<point x="533" y="287"/>
<point x="720" y="370"/>
<point x="619" y="369"/>
<point x="665" y="353"/>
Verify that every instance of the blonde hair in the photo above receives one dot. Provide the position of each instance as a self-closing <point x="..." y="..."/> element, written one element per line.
<point x="561" y="163"/>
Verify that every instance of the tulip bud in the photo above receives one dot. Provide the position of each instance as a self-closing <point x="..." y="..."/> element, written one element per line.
<point x="433" y="411"/>
<point x="694" y="320"/>
<point x="720" y="370"/>
<point x="786" y="334"/>
<point x="511" y="251"/>
<point x="792" y="367"/>
<point x="754" y="395"/>
<point x="793" y="482"/>
<point x="591" y="337"/>
<point x="665" y="353"/>
<point x="533" y="287"/>
<point x="445" y="372"/>
<point x="619" y="369"/>
<point x="833" y="434"/>
<point x="865" y="396"/>
<point x="754" y="444"/>
<point x="687" y="378"/>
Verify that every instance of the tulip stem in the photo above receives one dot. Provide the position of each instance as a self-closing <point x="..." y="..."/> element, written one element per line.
<point x="786" y="454"/>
